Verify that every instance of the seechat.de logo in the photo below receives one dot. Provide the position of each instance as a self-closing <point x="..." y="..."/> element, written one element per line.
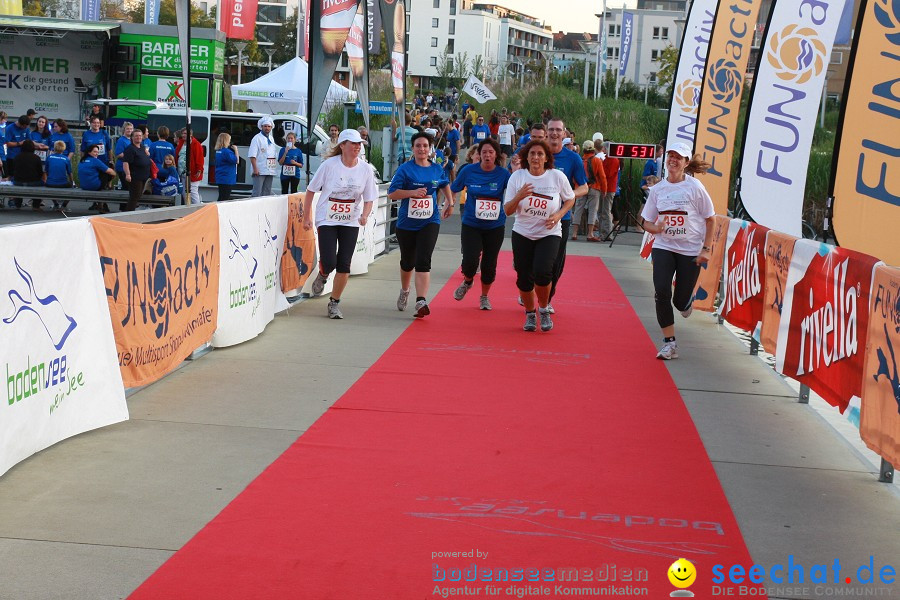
<point x="724" y="80"/>
<point x="796" y="53"/>
<point x="687" y="95"/>
<point x="887" y="12"/>
<point x="48" y="310"/>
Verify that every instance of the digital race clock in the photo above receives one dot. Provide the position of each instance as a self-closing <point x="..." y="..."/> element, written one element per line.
<point x="644" y="151"/>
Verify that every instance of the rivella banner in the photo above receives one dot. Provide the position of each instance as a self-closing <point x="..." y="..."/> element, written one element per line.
<point x="298" y="258"/>
<point x="779" y="250"/>
<point x="745" y="274"/>
<point x="825" y="320"/>
<point x="357" y="50"/>
<point x="57" y="345"/>
<point x="689" y="74"/>
<point x="866" y="171"/>
<point x="711" y="273"/>
<point x="162" y="287"/>
<point x="879" y="425"/>
<point x="784" y="111"/>
<point x="720" y="98"/>
<point x="393" y="19"/>
<point x="252" y="239"/>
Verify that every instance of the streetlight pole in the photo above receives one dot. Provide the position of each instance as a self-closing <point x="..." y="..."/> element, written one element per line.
<point x="270" y="52"/>
<point x="240" y="48"/>
<point x="601" y="53"/>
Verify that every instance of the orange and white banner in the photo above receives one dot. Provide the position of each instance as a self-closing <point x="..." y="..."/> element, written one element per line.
<point x="299" y="255"/>
<point x="779" y="250"/>
<point x="879" y="424"/>
<point x="825" y="320"/>
<point x="711" y="273"/>
<point x="745" y="274"/>
<point x="162" y="287"/>
<point x="720" y="98"/>
<point x="866" y="184"/>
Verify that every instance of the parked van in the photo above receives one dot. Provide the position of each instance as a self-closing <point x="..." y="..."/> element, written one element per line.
<point x="206" y="125"/>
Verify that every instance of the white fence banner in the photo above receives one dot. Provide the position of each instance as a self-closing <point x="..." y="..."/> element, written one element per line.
<point x="691" y="70"/>
<point x="251" y="234"/>
<point x="784" y="110"/>
<point x="56" y="340"/>
<point x="364" y="253"/>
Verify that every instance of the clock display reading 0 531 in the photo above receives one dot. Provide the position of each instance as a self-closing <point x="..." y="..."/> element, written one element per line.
<point x="644" y="151"/>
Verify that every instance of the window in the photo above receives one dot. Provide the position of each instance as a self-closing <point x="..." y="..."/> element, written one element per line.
<point x="437" y="3"/>
<point x="452" y="29"/>
<point x="615" y="30"/>
<point x="434" y="42"/>
<point x="434" y="23"/>
<point x="451" y="47"/>
<point x="433" y="61"/>
<point x="655" y="54"/>
<point x="612" y="52"/>
<point x="660" y="33"/>
<point x="653" y="78"/>
<point x="452" y="7"/>
<point x="837" y="58"/>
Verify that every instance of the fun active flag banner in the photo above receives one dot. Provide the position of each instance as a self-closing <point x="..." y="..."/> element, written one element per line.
<point x="61" y="375"/>
<point x="689" y="74"/>
<point x="298" y="256"/>
<point x="476" y="88"/>
<point x="720" y="97"/>
<point x="357" y="50"/>
<point x="784" y="111"/>
<point x="745" y="274"/>
<point x="866" y="171"/>
<point x="879" y="425"/>
<point x="162" y="287"/>
<point x="779" y="251"/>
<point x="252" y="235"/>
<point x="330" y="23"/>
<point x="825" y="320"/>
<point x="627" y="37"/>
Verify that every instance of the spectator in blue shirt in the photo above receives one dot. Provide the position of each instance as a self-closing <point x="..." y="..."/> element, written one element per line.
<point x="169" y="168"/>
<point x="59" y="170"/>
<point x="60" y="132"/>
<point x="97" y="137"/>
<point x="16" y="134"/>
<point x="226" y="166"/>
<point x="94" y="174"/>
<point x="291" y="160"/>
<point x="123" y="142"/>
<point x="161" y="147"/>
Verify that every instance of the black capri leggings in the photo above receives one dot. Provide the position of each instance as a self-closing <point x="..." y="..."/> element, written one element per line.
<point x="668" y="264"/>
<point x="336" y="245"/>
<point x="289" y="186"/>
<point x="534" y="260"/>
<point x="416" y="247"/>
<point x="484" y="244"/>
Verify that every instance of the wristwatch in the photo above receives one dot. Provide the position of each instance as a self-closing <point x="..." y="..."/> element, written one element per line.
<point x="707" y="249"/>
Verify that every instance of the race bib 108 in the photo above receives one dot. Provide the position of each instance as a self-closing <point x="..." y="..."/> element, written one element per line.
<point x="538" y="205"/>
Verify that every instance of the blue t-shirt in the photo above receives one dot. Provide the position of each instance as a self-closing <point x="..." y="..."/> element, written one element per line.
<point x="226" y="171"/>
<point x="650" y="168"/>
<point x="59" y="167"/>
<point x="454" y="138"/>
<point x="573" y="167"/>
<point x="158" y="151"/>
<point x="411" y="176"/>
<point x="14" y="133"/>
<point x="480" y="133"/>
<point x="101" y="139"/>
<point x="523" y="140"/>
<point x="64" y="137"/>
<point x="481" y="184"/>
<point x="293" y="154"/>
<point x="89" y="173"/>
<point x="169" y="172"/>
<point x="121" y="144"/>
<point x="38" y="138"/>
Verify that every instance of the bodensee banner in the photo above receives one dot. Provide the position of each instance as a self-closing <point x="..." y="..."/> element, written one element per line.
<point x="56" y="341"/>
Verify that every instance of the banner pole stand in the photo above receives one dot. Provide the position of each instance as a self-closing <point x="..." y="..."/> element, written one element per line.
<point x="887" y="472"/>
<point x="804" y="394"/>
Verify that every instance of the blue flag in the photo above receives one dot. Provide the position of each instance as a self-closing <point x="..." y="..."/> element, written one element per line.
<point x="627" y="35"/>
<point x="151" y="12"/>
<point x="90" y="10"/>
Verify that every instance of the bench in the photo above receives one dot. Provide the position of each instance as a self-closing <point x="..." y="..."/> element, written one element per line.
<point x="69" y="194"/>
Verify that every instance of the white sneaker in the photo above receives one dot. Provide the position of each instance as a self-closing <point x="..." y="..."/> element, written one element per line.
<point x="460" y="292"/>
<point x="687" y="312"/>
<point x="318" y="285"/>
<point x="668" y="351"/>
<point x="421" y="309"/>
<point x="550" y="309"/>
<point x="402" y="299"/>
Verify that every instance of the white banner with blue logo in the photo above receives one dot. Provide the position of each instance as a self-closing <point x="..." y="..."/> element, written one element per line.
<point x="251" y="234"/>
<point x="691" y="69"/>
<point x="784" y="110"/>
<point x="57" y="348"/>
<point x="627" y="37"/>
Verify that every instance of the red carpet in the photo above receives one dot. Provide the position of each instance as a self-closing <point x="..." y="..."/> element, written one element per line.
<point x="543" y="450"/>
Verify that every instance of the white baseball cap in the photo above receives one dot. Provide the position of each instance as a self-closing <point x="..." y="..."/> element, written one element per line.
<point x="566" y="141"/>
<point x="680" y="148"/>
<point x="349" y="135"/>
<point x="597" y="136"/>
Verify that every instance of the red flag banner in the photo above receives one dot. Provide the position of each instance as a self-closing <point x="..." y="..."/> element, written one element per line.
<point x="329" y="28"/>
<point x="779" y="249"/>
<point x="879" y="424"/>
<point x="711" y="273"/>
<point x="299" y="254"/>
<point x="162" y="287"/>
<point x="825" y="320"/>
<point x="745" y="274"/>
<point x="238" y="19"/>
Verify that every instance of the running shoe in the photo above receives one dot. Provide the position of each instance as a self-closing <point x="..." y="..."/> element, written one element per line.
<point x="318" y="285"/>
<point x="402" y="299"/>
<point x="550" y="309"/>
<point x="530" y="321"/>
<point x="668" y="351"/>
<point x="546" y="321"/>
<point x="484" y="303"/>
<point x="687" y="312"/>
<point x="421" y="309"/>
<point x="460" y="292"/>
<point x="334" y="309"/>
<point x="521" y="302"/>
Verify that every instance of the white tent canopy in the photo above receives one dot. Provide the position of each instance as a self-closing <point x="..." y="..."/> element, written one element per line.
<point x="283" y="90"/>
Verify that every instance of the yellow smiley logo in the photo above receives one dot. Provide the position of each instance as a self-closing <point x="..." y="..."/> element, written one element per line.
<point x="682" y="573"/>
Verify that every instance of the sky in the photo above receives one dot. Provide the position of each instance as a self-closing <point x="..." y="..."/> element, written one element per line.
<point x="572" y="16"/>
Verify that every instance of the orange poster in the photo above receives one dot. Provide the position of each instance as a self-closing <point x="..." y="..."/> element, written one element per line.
<point x="879" y="423"/>
<point x="779" y="249"/>
<point x="711" y="273"/>
<point x="162" y="287"/>
<point x="299" y="254"/>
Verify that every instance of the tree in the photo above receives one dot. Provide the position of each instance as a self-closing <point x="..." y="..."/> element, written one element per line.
<point x="668" y="64"/>
<point x="478" y="66"/>
<point x="461" y="66"/>
<point x="286" y="42"/>
<point x="33" y="9"/>
<point x="135" y="13"/>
